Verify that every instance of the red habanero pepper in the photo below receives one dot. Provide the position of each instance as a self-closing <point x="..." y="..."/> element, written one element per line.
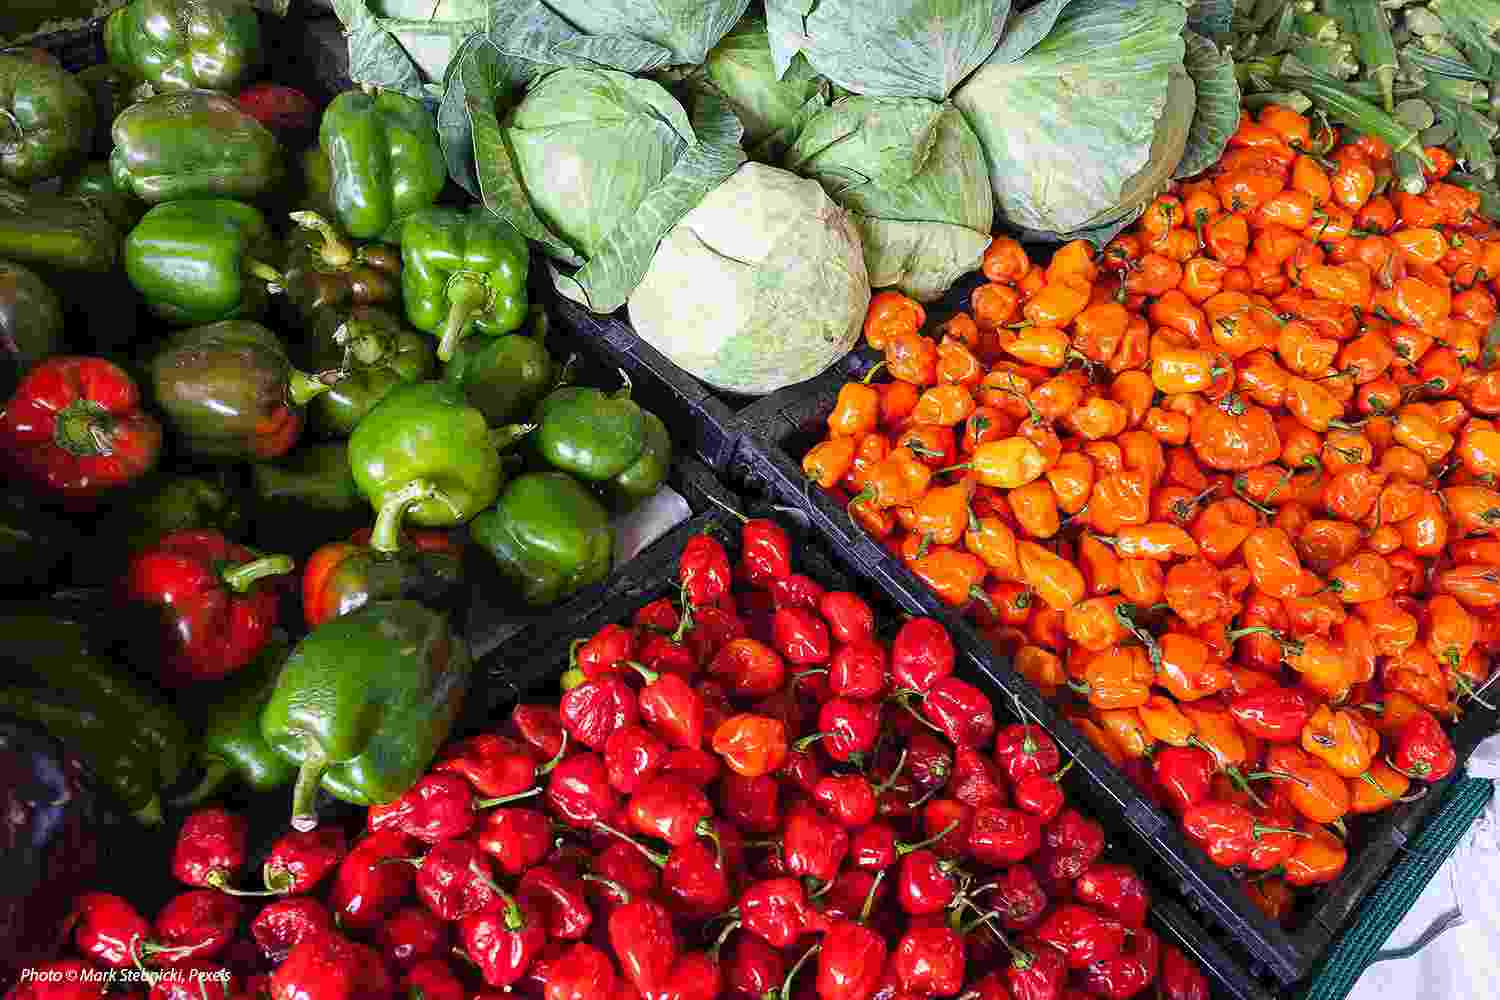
<point x="796" y="591"/>
<point x="1070" y="845"/>
<point x="559" y="897"/>
<point x="437" y="808"/>
<point x="1083" y="935"/>
<point x="217" y="611"/>
<point x="1117" y="890"/>
<point x="594" y="709"/>
<point x="1423" y="750"/>
<point x="75" y="427"/>
<point x="503" y="943"/>
<point x="210" y="848"/>
<point x="801" y="636"/>
<point x="197" y="924"/>
<point x="775" y="910"/>
<point x="632" y="756"/>
<point x="541" y="727"/>
<point x="703" y="570"/>
<point x="751" y="745"/>
<point x="1041" y="795"/>
<point x="579" y="793"/>
<point x="433" y="979"/>
<point x="921" y="654"/>
<point x="1001" y="836"/>
<point x="108" y="930"/>
<point x="281" y="926"/>
<point x="190" y="981"/>
<point x="1180" y="978"/>
<point x="1129" y="972"/>
<point x="1276" y="714"/>
<point x="365" y="888"/>
<point x="1024" y="750"/>
<point x="1184" y="775"/>
<point x="330" y="967"/>
<point x="961" y="712"/>
<point x="1037" y="972"/>
<point x="515" y="838"/>
<point x="494" y="765"/>
<point x="300" y="860"/>
<point x="766" y="551"/>
<point x="848" y="616"/>
<point x="583" y="972"/>
<point x="929" y="961"/>
<point x="606" y="651"/>
<point x="66" y="979"/>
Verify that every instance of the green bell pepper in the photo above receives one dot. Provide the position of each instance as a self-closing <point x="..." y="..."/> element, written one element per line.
<point x="603" y="438"/>
<point x="176" y="504"/>
<point x="384" y="158"/>
<point x="427" y="430"/>
<point x="229" y="391"/>
<point x="230" y="745"/>
<point x="317" y="183"/>
<point x="192" y="144"/>
<point x="325" y="271"/>
<point x="316" y="476"/>
<point x="462" y="271"/>
<point x="376" y="351"/>
<point x="46" y="120"/>
<point x="504" y="376"/>
<point x="548" y="535"/>
<point x="200" y="261"/>
<point x="50" y="230"/>
<point x="185" y="44"/>
<point x="364" y="702"/>
<point x="34" y="543"/>
<point x="94" y="183"/>
<point x="31" y="323"/>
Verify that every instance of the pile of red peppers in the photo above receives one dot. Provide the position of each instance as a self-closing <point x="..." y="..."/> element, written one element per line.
<point x="749" y="791"/>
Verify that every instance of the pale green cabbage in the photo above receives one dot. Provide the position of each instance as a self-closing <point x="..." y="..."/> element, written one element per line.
<point x="761" y="286"/>
<point x="687" y="28"/>
<point x="912" y="176"/>
<point x="772" y="109"/>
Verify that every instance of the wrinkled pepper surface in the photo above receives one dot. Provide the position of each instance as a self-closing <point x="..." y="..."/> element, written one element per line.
<point x="31" y="323"/>
<point x="325" y="271"/>
<point x="376" y="351"/>
<point x="231" y="746"/>
<point x="364" y="702"/>
<point x="342" y="577"/>
<point x="229" y="391"/>
<point x="192" y="144"/>
<point x="384" y="159"/>
<point x="428" y="431"/>
<point x="462" y="272"/>
<point x="505" y="376"/>
<point x="46" y="120"/>
<point x="52" y="230"/>
<point x="183" y="44"/>
<point x="604" y="437"/>
<point x="548" y="535"/>
<point x="75" y="427"/>
<point x="203" y="260"/>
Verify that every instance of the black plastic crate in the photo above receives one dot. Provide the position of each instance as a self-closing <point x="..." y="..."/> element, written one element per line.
<point x="531" y="666"/>
<point x="781" y="427"/>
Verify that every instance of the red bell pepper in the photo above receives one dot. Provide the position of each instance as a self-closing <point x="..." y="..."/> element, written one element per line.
<point x="217" y="614"/>
<point x="75" y="427"/>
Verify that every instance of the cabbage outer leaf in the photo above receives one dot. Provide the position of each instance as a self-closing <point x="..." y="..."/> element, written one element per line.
<point x="1218" y="111"/>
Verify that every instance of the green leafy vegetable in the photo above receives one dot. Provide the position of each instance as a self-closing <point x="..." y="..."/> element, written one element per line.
<point x="687" y="29"/>
<point x="1217" y="113"/>
<point x="773" y="110"/>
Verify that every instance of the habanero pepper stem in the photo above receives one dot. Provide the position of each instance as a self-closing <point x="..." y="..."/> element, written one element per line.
<point x="657" y="858"/>
<point x="615" y="887"/>
<point x="1374" y="783"/>
<point x="786" y="984"/>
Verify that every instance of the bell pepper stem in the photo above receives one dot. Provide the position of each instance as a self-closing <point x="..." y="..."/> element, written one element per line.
<point x="302" y="388"/>
<point x="215" y="773"/>
<point x="501" y="800"/>
<point x="467" y="295"/>
<point x="242" y="577"/>
<point x="305" y="792"/>
<point x="335" y="251"/>
<point x="82" y="429"/>
<point x="385" y="536"/>
<point x="274" y="279"/>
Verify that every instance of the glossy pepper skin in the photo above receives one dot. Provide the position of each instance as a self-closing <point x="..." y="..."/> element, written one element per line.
<point x="505" y="376"/>
<point x="462" y="273"/>
<point x="31" y="323"/>
<point x="375" y="352"/>
<point x="314" y="476"/>
<point x="384" y="157"/>
<point x="603" y="437"/>
<point x="185" y="44"/>
<point x="192" y="144"/>
<point x="217" y="602"/>
<point x="364" y="702"/>
<point x="75" y="428"/>
<point x="57" y="231"/>
<point x="231" y="746"/>
<point x="427" y="430"/>
<point x="49" y="120"/>
<point x="548" y="535"/>
<point x="327" y="271"/>
<point x="230" y="392"/>
<point x="330" y="967"/>
<point x="94" y="185"/>
<point x="202" y="260"/>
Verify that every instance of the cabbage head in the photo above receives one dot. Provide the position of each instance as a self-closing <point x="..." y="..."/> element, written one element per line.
<point x="887" y="48"/>
<point x="772" y="107"/>
<point x="912" y="176"/>
<point x="687" y="28"/>
<point x="1087" y="124"/>
<point x="761" y="286"/>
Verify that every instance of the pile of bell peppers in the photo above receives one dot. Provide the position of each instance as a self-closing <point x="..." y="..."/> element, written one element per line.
<point x="259" y="359"/>
<point x="750" y="789"/>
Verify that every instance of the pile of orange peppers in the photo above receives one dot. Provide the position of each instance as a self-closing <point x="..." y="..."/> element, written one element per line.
<point x="1226" y="487"/>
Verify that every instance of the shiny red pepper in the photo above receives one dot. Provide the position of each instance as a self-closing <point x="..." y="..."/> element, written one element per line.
<point x="658" y="616"/>
<point x="1070" y="845"/>
<point x="1423" y="750"/>
<point x="929" y="961"/>
<point x="961" y="711"/>
<point x="1036" y="972"/>
<point x="217" y="603"/>
<point x="796" y="591"/>
<point x="195" y="925"/>
<point x="1041" y="795"/>
<point x="1180" y="978"/>
<point x="583" y="972"/>
<point x="847" y="728"/>
<point x="496" y="765"/>
<point x="605" y="652"/>
<point x="75" y="427"/>
<point x="776" y="911"/>
<point x="858" y="669"/>
<point x="365" y="889"/>
<point x="712" y="628"/>
<point x="848" y="798"/>
<point x="633" y="756"/>
<point x="503" y="943"/>
<point x="644" y="942"/>
<point x="812" y="844"/>
<point x="754" y="969"/>
<point x="1276" y="714"/>
<point x="210" y="848"/>
<point x="515" y="838"/>
<point x="282" y="925"/>
<point x="1084" y="936"/>
<point x="560" y="898"/>
<point x="1184" y="775"/>
<point x="594" y="709"/>
<point x="1024" y="750"/>
<point x="976" y="779"/>
<point x="579" y="793"/>
<point x="1116" y="890"/>
<point x="695" y="882"/>
<point x="801" y="636"/>
<point x="850" y="618"/>
<point x="191" y="980"/>
<point x="298" y="861"/>
<point x="925" y="883"/>
<point x="703" y="570"/>
<point x="749" y="668"/>
<point x="670" y="707"/>
<point x="1128" y="973"/>
<point x="410" y="935"/>
<point x="1019" y="898"/>
<point x="1226" y="831"/>
<point x="767" y="551"/>
<point x="921" y="654"/>
<point x="433" y="979"/>
<point x="851" y="962"/>
<point x="331" y="967"/>
<point x="752" y="804"/>
<point x="454" y="880"/>
<point x="672" y="809"/>
<point x="108" y="930"/>
<point x="1002" y="836"/>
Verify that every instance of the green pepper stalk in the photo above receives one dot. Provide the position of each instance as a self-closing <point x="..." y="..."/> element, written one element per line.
<point x="335" y="251"/>
<point x="385" y="535"/>
<point x="467" y="295"/>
